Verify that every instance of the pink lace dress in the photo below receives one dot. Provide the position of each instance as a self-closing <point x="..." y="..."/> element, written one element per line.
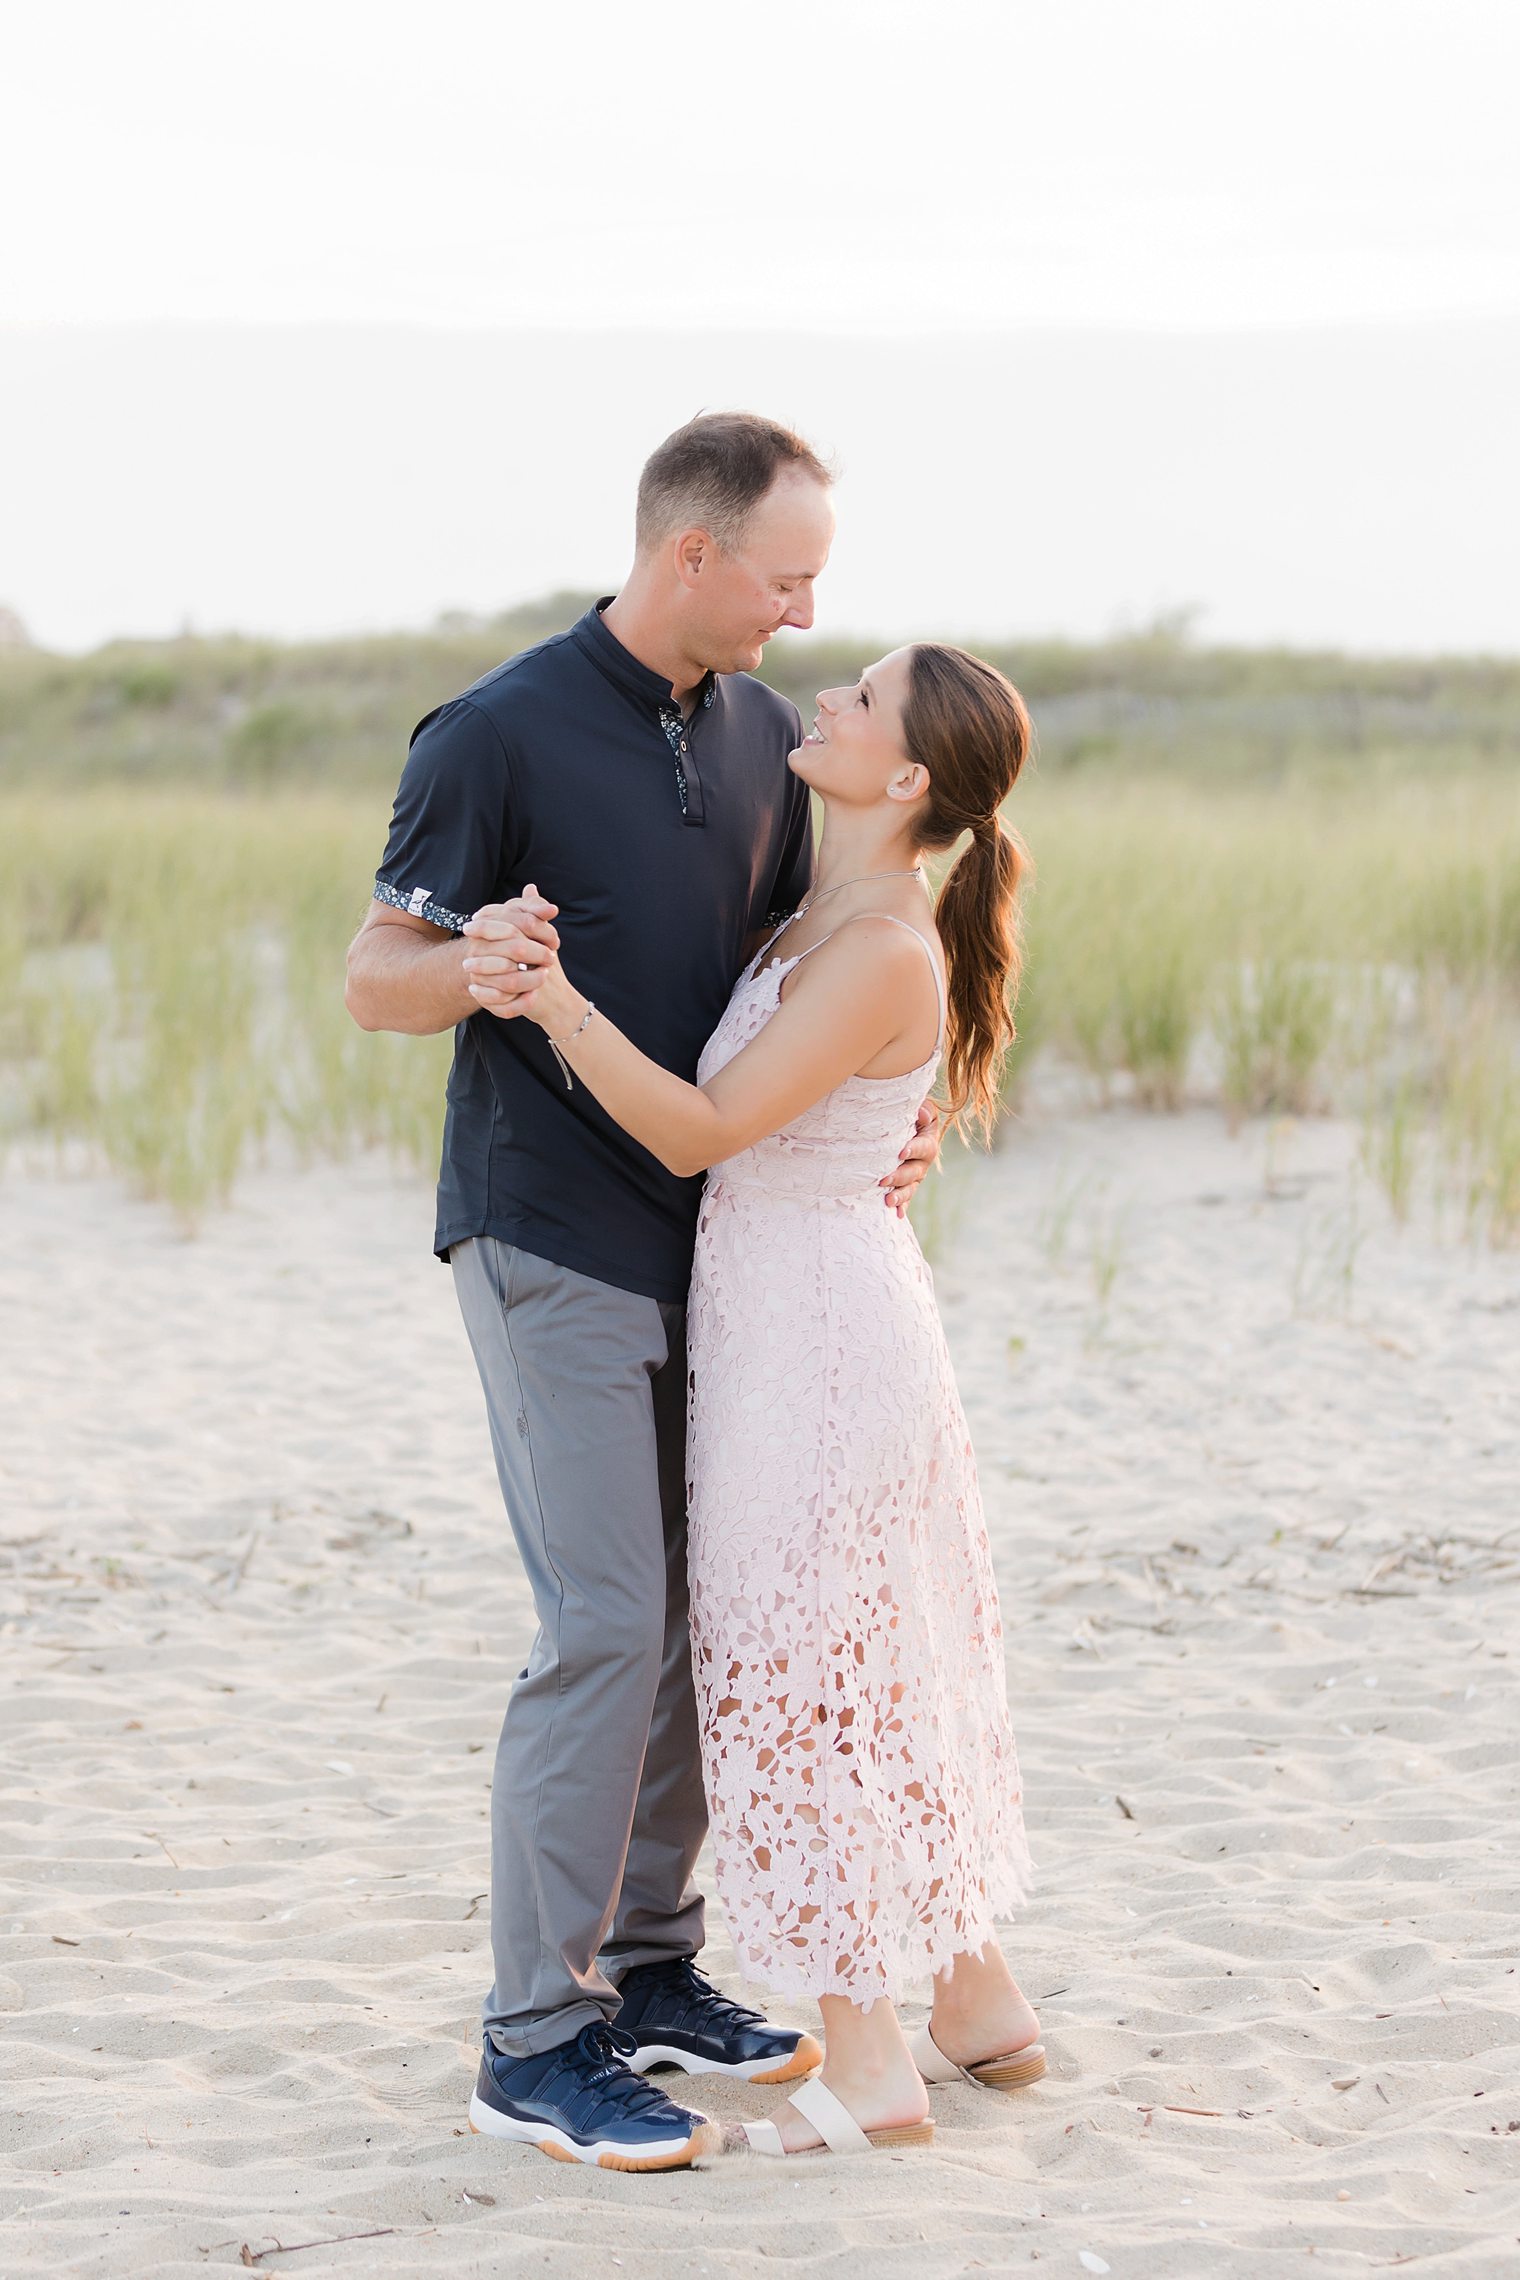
<point x="860" y="1766"/>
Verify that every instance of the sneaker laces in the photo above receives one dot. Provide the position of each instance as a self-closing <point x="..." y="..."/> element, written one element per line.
<point x="601" y="2059"/>
<point x="680" y="1975"/>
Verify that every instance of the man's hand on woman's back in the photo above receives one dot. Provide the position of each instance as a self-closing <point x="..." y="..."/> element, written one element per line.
<point x="917" y="1158"/>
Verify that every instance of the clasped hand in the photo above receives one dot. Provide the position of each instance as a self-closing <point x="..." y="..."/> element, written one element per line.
<point x="518" y="949"/>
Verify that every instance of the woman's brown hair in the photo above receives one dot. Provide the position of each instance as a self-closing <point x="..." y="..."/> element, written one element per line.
<point x="968" y="726"/>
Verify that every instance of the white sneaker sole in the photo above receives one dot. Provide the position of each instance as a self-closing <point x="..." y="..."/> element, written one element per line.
<point x="805" y="2059"/>
<point x="602" y="2153"/>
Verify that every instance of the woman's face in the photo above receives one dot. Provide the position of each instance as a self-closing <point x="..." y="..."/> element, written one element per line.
<point x="854" y="751"/>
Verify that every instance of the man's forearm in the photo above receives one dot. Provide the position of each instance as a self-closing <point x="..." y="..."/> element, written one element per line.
<point x="399" y="980"/>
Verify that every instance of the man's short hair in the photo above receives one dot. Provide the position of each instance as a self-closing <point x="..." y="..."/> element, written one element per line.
<point x="714" y="472"/>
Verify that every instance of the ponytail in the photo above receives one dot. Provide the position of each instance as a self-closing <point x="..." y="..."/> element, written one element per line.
<point x="977" y="918"/>
<point x="968" y="726"/>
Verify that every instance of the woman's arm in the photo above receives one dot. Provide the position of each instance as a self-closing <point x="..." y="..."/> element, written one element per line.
<point x="862" y="990"/>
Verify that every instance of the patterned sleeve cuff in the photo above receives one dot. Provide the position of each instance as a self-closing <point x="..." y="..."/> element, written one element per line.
<point x="420" y="904"/>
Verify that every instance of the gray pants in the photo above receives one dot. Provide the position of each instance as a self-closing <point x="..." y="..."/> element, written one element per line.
<point x="597" y="1810"/>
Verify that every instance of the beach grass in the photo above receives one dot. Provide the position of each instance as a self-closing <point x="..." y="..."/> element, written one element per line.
<point x="238" y="714"/>
<point x="1221" y="910"/>
<point x="171" y="973"/>
<point x="173" y="988"/>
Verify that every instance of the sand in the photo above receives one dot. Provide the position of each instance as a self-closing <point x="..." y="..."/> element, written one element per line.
<point x="1252" y="1460"/>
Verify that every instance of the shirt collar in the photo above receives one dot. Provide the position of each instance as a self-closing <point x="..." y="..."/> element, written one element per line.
<point x="620" y="665"/>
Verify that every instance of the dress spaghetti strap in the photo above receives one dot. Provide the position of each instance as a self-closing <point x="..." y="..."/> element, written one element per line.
<point x="939" y="987"/>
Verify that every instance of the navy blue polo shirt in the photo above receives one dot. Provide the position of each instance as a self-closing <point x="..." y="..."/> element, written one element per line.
<point x="665" y="843"/>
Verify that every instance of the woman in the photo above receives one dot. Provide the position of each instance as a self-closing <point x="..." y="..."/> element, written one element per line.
<point x="860" y="1767"/>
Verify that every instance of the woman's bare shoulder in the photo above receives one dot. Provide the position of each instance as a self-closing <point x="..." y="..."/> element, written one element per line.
<point x="872" y="955"/>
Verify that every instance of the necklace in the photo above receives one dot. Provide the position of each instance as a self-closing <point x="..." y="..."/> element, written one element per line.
<point x="916" y="872"/>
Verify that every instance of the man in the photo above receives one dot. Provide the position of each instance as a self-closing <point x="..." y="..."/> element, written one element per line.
<point x="632" y="769"/>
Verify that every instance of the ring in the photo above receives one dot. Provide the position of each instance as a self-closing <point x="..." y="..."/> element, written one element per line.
<point x="522" y="965"/>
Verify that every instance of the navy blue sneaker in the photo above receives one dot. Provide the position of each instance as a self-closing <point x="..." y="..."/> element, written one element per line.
<point x="678" y="2018"/>
<point x="581" y="2101"/>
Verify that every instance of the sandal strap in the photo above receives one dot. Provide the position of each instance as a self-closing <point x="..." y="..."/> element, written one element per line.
<point x="931" y="2061"/>
<point x="830" y="2117"/>
<point x="764" y="2137"/>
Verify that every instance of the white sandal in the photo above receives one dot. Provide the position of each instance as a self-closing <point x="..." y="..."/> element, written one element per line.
<point x="835" y="2124"/>
<point x="1010" y="2072"/>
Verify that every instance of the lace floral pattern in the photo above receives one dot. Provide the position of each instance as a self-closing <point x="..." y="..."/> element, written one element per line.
<point x="861" y="1770"/>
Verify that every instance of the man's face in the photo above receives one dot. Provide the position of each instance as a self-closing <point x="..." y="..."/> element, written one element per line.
<point x="743" y="598"/>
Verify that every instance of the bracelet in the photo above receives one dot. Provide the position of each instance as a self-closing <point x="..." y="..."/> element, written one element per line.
<point x="555" y="1043"/>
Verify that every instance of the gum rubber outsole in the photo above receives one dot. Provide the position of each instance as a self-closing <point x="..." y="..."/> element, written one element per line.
<point x="665" y="2058"/>
<point x="701" y="2143"/>
<point x="706" y="2140"/>
<point x="805" y="2059"/>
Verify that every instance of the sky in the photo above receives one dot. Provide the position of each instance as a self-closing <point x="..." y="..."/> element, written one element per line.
<point x="1083" y="191"/>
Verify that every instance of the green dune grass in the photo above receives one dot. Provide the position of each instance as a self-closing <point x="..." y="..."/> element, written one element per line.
<point x="1279" y="884"/>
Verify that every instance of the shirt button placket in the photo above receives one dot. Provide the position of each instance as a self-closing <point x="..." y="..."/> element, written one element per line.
<point x="674" y="736"/>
